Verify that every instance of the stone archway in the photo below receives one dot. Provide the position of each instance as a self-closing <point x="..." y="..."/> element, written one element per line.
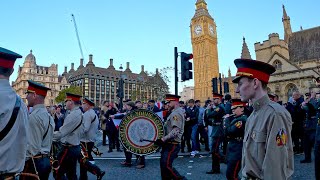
<point x="290" y="88"/>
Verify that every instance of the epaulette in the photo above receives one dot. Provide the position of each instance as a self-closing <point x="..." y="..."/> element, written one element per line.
<point x="276" y="107"/>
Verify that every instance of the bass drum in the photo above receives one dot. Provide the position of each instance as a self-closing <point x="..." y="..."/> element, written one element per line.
<point x="138" y="129"/>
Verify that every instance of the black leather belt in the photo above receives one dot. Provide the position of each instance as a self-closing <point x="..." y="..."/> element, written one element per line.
<point x="173" y="142"/>
<point x="237" y="139"/>
<point x="40" y="156"/>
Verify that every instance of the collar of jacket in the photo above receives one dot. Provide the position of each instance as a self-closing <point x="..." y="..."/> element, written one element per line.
<point x="261" y="102"/>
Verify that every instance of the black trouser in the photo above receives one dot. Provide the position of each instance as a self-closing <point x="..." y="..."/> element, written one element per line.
<point x="233" y="168"/>
<point x="104" y="135"/>
<point x="128" y="155"/>
<point x="308" y="143"/>
<point x="204" y="136"/>
<point x="7" y="176"/>
<point x="317" y="159"/>
<point x="297" y="137"/>
<point x="88" y="146"/>
<point x="86" y="165"/>
<point x="141" y="160"/>
<point x="43" y="168"/>
<point x="234" y="156"/>
<point x="216" y="153"/>
<point x="169" y="152"/>
<point x="114" y="140"/>
<point x="68" y="158"/>
<point x="186" y="137"/>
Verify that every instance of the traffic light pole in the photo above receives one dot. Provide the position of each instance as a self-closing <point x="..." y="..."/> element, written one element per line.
<point x="176" y="71"/>
<point x="220" y="81"/>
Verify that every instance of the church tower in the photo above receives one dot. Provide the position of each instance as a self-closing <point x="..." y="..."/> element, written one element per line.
<point x="205" y="51"/>
<point x="286" y="25"/>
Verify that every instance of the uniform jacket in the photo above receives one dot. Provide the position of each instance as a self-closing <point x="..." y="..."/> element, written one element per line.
<point x="90" y="126"/>
<point x="268" y="151"/>
<point x="41" y="122"/>
<point x="234" y="132"/>
<point x="215" y="117"/>
<point x="175" y="119"/>
<point x="68" y="133"/>
<point x="14" y="145"/>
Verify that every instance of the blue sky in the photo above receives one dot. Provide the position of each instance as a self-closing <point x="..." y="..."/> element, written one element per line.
<point x="143" y="32"/>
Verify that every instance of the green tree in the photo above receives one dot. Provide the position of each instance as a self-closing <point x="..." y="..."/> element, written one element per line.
<point x="62" y="94"/>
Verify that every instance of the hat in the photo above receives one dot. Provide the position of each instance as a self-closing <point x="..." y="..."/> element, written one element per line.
<point x="130" y="103"/>
<point x="37" y="88"/>
<point x="172" y="97"/>
<point x="151" y="101"/>
<point x="253" y="69"/>
<point x="72" y="97"/>
<point x="216" y="96"/>
<point x="127" y="100"/>
<point x="237" y="103"/>
<point x="271" y="95"/>
<point x="88" y="101"/>
<point x="8" y="58"/>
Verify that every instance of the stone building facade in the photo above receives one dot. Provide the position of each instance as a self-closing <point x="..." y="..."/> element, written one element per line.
<point x="296" y="59"/>
<point x="187" y="93"/>
<point x="99" y="84"/>
<point x="47" y="76"/>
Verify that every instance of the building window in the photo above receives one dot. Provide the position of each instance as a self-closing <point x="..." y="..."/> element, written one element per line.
<point x="102" y="82"/>
<point x="277" y="64"/>
<point x="92" y="81"/>
<point x="97" y="88"/>
<point x="98" y="82"/>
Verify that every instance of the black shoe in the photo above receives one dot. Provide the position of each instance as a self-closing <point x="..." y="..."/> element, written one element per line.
<point x="207" y="149"/>
<point x="182" y="151"/>
<point x="305" y="161"/>
<point x="110" y="150"/>
<point x="119" y="150"/>
<point x="99" y="176"/>
<point x="213" y="172"/>
<point x="126" y="164"/>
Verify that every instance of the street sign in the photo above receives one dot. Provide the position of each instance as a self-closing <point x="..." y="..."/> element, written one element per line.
<point x="139" y="129"/>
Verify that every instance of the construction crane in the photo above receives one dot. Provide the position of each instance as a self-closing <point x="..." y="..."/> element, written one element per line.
<point x="76" y="29"/>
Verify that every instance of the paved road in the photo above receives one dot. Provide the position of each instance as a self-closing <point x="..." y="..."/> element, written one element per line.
<point x="192" y="168"/>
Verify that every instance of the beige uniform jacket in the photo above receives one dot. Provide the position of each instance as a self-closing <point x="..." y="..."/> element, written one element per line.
<point x="65" y="134"/>
<point x="90" y="126"/>
<point x="13" y="147"/>
<point x="267" y="150"/>
<point x="175" y="119"/>
<point x="40" y="122"/>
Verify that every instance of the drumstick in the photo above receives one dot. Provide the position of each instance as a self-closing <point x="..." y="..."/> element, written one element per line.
<point x="141" y="140"/>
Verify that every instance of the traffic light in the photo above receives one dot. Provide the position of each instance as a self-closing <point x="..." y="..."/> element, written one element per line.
<point x="120" y="89"/>
<point x="186" y="66"/>
<point x="214" y="85"/>
<point x="226" y="87"/>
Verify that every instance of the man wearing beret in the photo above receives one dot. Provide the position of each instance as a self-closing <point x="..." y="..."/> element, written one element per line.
<point x="14" y="120"/>
<point x="69" y="135"/>
<point x="268" y="151"/>
<point x="40" y="137"/>
<point x="170" y="143"/>
<point x="90" y="128"/>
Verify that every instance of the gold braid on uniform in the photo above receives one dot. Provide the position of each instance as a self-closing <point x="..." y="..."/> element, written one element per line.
<point x="173" y="134"/>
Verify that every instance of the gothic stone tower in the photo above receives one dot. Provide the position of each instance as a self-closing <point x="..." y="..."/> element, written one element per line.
<point x="205" y="51"/>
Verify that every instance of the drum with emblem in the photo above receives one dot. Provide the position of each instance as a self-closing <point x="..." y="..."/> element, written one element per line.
<point x="139" y="129"/>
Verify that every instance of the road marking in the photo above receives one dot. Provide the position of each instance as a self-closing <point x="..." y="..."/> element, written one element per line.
<point x="191" y="161"/>
<point x="188" y="173"/>
<point x="189" y="166"/>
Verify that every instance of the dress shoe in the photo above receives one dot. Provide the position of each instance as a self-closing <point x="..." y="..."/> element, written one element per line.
<point x="213" y="172"/>
<point x="140" y="166"/>
<point x="124" y="163"/>
<point x="99" y="176"/>
<point x="110" y="150"/>
<point x="119" y="150"/>
<point x="182" y="151"/>
<point x="305" y="161"/>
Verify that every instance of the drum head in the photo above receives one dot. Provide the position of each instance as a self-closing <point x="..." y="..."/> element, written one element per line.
<point x="138" y="128"/>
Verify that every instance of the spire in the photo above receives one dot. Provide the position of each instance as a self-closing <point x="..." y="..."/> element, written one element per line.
<point x="286" y="25"/>
<point x="301" y="29"/>
<point x="201" y="9"/>
<point x="245" y="54"/>
<point x="229" y="73"/>
<point x="285" y="16"/>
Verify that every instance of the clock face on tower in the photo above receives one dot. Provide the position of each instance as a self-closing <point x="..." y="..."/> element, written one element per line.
<point x="211" y="29"/>
<point x="197" y="29"/>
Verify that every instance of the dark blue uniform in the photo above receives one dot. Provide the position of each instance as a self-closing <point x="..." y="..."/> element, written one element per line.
<point x="234" y="132"/>
<point x="317" y="144"/>
<point x="217" y="135"/>
<point x="309" y="130"/>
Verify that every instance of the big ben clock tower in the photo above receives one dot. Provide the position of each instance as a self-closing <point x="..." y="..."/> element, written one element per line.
<point x="205" y="51"/>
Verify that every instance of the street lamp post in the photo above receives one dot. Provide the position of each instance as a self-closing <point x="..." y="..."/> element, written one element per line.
<point x="120" y="84"/>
